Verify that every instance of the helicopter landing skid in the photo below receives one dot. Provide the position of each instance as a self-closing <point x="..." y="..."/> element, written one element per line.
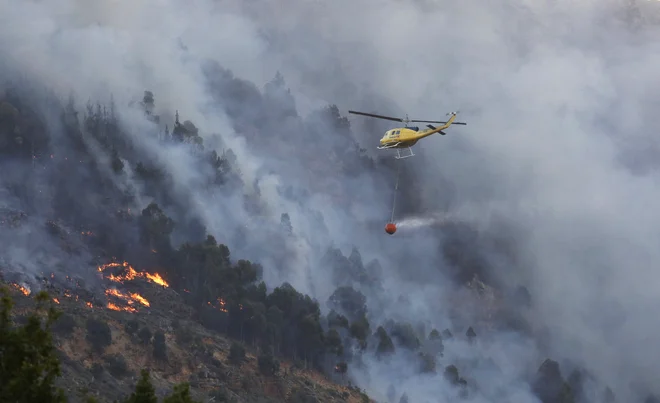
<point x="407" y="155"/>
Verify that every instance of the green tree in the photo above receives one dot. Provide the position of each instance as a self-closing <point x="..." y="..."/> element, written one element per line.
<point x="236" y="353"/>
<point x="144" y="390"/>
<point x="452" y="376"/>
<point x="550" y="386"/>
<point x="116" y="365"/>
<point x="312" y="340"/>
<point x="285" y="223"/>
<point x="350" y="301"/>
<point x="278" y="96"/>
<point x="160" y="348"/>
<point x="116" y="162"/>
<point x="274" y="322"/>
<point x="64" y="325"/>
<point x="268" y="365"/>
<point x="470" y="334"/>
<point x="434" y="344"/>
<point x="144" y="335"/>
<point x="99" y="335"/>
<point x="385" y="345"/>
<point x="28" y="358"/>
<point x="155" y="227"/>
<point x="360" y="331"/>
<point x="337" y="320"/>
<point x="427" y="363"/>
<point x="132" y="326"/>
<point x="341" y="367"/>
<point x="405" y="335"/>
<point x="180" y="394"/>
<point x="333" y="342"/>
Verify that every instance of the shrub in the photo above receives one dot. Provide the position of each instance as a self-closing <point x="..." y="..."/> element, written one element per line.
<point x="236" y="353"/>
<point x="98" y="335"/>
<point x="268" y="365"/>
<point x="64" y="325"/>
<point x="132" y="326"/>
<point x="160" y="348"/>
<point x="116" y="365"/>
<point x="144" y="335"/>
<point x="97" y="370"/>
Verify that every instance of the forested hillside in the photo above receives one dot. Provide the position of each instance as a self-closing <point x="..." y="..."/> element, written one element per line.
<point x="185" y="184"/>
<point x="94" y="219"/>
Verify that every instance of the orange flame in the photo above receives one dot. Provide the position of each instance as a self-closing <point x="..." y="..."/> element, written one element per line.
<point x="129" y="298"/>
<point x="220" y="306"/>
<point x="105" y="266"/>
<point x="22" y="289"/>
<point x="55" y="300"/>
<point x="132" y="274"/>
<point x="117" y="308"/>
<point x="139" y="298"/>
<point x="156" y="278"/>
<point x="89" y="304"/>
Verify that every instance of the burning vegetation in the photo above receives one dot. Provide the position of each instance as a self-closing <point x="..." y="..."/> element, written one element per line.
<point x="131" y="299"/>
<point x="286" y="322"/>
<point x="219" y="305"/>
<point x="116" y="300"/>
<point x="23" y="289"/>
<point x="129" y="274"/>
<point x="127" y="301"/>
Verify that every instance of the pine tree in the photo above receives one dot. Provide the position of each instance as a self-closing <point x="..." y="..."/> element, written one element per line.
<point x="28" y="360"/>
<point x="144" y="390"/>
<point x="180" y="394"/>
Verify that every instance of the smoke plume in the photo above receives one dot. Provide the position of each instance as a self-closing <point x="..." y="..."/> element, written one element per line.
<point x="548" y="187"/>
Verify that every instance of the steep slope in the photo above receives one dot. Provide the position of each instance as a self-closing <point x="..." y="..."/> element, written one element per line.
<point x="516" y="251"/>
<point x="84" y="197"/>
<point x="103" y="349"/>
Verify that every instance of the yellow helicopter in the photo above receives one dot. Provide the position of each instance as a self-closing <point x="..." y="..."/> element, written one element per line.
<point x="406" y="137"/>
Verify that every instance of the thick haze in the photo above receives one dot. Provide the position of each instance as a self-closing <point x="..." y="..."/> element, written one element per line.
<point x="561" y="101"/>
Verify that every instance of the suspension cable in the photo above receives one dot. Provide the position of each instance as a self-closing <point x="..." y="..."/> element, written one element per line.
<point x="396" y="188"/>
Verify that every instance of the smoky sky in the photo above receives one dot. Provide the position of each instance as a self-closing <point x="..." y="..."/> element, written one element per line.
<point x="561" y="101"/>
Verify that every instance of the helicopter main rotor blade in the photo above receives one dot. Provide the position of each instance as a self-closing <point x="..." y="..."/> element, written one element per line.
<point x="436" y="121"/>
<point x="376" y="116"/>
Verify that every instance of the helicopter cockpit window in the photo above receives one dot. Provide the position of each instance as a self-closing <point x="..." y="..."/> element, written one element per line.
<point x="415" y="128"/>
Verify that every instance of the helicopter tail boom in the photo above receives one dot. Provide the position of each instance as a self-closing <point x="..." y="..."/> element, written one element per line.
<point x="439" y="129"/>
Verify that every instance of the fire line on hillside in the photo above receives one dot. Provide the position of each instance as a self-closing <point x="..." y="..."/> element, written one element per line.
<point x="117" y="300"/>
